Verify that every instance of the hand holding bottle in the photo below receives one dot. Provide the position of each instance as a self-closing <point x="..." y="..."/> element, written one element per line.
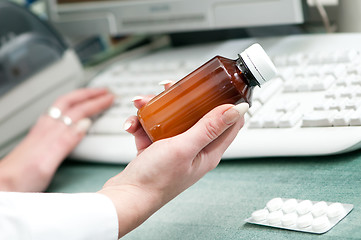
<point x="182" y="133"/>
<point x="165" y="168"/>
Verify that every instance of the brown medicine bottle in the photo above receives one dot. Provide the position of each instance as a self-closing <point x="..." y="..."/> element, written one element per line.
<point x="218" y="81"/>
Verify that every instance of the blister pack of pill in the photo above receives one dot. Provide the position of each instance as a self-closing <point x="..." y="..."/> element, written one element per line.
<point x="300" y="215"/>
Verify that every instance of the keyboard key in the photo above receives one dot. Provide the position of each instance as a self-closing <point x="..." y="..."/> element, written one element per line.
<point x="271" y="120"/>
<point x="327" y="57"/>
<point x="290" y="86"/>
<point x="118" y="70"/>
<point x="256" y="122"/>
<point x="321" y="106"/>
<point x="296" y="59"/>
<point x="318" y="119"/>
<point x="330" y="104"/>
<point x="286" y="72"/>
<point x="336" y="105"/>
<point x="312" y="70"/>
<point x="315" y="58"/>
<point x="108" y="125"/>
<point x="286" y="106"/>
<point x="347" y="56"/>
<point x="342" y="118"/>
<point x="280" y="61"/>
<point x="351" y="104"/>
<point x="172" y="65"/>
<point x="300" y="71"/>
<point x="331" y="93"/>
<point x="290" y="119"/>
<point x="321" y="84"/>
<point x="256" y="105"/>
<point x="355" y="118"/>
<point x="192" y="65"/>
<point x="347" y="92"/>
<point x="337" y="70"/>
<point x="354" y="69"/>
<point x="119" y="111"/>
<point x="267" y="91"/>
<point x="304" y="84"/>
<point x="355" y="79"/>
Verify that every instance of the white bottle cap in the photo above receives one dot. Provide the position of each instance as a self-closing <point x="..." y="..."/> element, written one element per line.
<point x="259" y="63"/>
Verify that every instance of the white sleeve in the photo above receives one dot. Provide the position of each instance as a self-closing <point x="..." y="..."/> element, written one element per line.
<point x="44" y="216"/>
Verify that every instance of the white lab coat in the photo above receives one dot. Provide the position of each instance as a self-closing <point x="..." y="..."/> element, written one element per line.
<point x="44" y="216"/>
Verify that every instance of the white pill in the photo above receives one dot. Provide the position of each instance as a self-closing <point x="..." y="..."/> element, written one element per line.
<point x="335" y="210"/>
<point x="274" y="217"/>
<point x="274" y="204"/>
<point x="305" y="221"/>
<point x="289" y="219"/>
<point x="320" y="223"/>
<point x="260" y="215"/>
<point x="289" y="205"/>
<point x="304" y="207"/>
<point x="319" y="209"/>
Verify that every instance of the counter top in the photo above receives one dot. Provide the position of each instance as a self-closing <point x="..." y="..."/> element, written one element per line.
<point x="216" y="206"/>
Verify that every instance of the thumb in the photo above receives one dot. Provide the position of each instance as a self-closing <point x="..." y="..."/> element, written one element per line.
<point x="213" y="124"/>
<point x="82" y="126"/>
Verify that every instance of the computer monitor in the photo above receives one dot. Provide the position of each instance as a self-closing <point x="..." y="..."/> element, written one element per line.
<point x="121" y="17"/>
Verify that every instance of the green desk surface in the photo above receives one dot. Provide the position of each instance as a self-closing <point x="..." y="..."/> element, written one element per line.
<point x="216" y="206"/>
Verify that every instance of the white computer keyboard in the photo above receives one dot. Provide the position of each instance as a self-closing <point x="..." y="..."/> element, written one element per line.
<point x="313" y="107"/>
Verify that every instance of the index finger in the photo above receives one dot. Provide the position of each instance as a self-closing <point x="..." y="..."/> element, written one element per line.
<point x="78" y="96"/>
<point x="140" y="101"/>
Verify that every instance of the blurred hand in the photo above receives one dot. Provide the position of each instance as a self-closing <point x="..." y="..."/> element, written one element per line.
<point x="167" y="167"/>
<point x="32" y="164"/>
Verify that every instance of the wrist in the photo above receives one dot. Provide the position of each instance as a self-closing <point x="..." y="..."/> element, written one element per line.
<point x="7" y="181"/>
<point x="133" y="205"/>
<point x="21" y="174"/>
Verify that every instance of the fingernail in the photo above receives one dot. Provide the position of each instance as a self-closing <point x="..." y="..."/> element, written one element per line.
<point x="127" y="125"/>
<point x="83" y="125"/>
<point x="108" y="89"/>
<point x="136" y="98"/>
<point x="241" y="108"/>
<point x="233" y="114"/>
<point x="165" y="82"/>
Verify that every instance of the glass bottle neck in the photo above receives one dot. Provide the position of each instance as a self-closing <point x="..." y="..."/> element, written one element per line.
<point x="245" y="70"/>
